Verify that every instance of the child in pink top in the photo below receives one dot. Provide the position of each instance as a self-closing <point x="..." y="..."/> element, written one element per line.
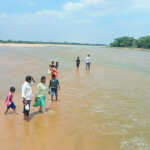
<point x="9" y="100"/>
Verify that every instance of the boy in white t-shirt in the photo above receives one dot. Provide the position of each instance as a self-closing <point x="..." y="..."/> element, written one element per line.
<point x="88" y="62"/>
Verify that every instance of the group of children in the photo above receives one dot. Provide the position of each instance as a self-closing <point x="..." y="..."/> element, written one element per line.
<point x="42" y="89"/>
<point x="54" y="83"/>
<point x="41" y="93"/>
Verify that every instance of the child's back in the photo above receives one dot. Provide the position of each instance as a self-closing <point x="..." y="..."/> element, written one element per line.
<point x="9" y="100"/>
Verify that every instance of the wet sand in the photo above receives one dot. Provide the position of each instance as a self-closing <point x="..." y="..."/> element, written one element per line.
<point x="106" y="109"/>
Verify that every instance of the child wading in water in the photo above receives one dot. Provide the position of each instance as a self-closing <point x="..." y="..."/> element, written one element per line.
<point x="54" y="86"/>
<point x="9" y="100"/>
<point x="78" y="62"/>
<point x="41" y="95"/>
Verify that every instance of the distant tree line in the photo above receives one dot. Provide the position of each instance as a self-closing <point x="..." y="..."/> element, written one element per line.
<point x="41" y="42"/>
<point x="142" y="42"/>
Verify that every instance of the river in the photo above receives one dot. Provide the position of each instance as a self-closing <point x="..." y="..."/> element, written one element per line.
<point x="106" y="109"/>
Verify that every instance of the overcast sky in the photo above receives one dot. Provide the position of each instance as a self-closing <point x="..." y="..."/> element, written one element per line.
<point x="94" y="21"/>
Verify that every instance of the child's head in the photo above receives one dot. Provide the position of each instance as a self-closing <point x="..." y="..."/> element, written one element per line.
<point x="12" y="89"/>
<point x="52" y="62"/>
<point x="28" y="79"/>
<point x="25" y="102"/>
<point x="43" y="79"/>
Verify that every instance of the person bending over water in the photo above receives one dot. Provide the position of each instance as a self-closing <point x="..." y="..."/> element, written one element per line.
<point x="53" y="87"/>
<point x="78" y="62"/>
<point x="27" y="96"/>
<point x="88" y="63"/>
<point x="41" y="95"/>
<point x="9" y="100"/>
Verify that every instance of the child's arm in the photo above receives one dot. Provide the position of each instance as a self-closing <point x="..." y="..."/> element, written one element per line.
<point x="58" y="85"/>
<point x="33" y="80"/>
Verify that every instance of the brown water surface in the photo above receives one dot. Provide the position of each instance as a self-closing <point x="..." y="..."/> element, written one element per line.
<point x="107" y="109"/>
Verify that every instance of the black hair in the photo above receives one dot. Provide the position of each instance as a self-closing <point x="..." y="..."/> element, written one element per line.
<point x="12" y="89"/>
<point x="28" y="78"/>
<point x="52" y="66"/>
<point x="43" y="78"/>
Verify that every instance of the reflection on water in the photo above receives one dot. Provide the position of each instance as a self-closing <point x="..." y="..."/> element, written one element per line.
<point x="107" y="108"/>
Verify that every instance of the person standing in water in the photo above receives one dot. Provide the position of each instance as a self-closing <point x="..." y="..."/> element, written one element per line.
<point x="41" y="95"/>
<point x="53" y="87"/>
<point x="52" y="64"/>
<point x="57" y="65"/>
<point x="9" y="100"/>
<point x="88" y="62"/>
<point x="27" y="96"/>
<point x="78" y="62"/>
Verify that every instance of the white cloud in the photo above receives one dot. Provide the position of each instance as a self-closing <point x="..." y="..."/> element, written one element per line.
<point x="70" y="6"/>
<point x="82" y="21"/>
<point x="92" y="1"/>
<point x="53" y="13"/>
<point x="144" y="4"/>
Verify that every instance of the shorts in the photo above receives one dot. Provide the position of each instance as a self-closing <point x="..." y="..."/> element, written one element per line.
<point x="54" y="91"/>
<point x="26" y="112"/>
<point x="40" y="101"/>
<point x="88" y="65"/>
<point x="77" y="65"/>
<point x="12" y="106"/>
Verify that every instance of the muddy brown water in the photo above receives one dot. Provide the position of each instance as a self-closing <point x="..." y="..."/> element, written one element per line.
<point x="106" y="109"/>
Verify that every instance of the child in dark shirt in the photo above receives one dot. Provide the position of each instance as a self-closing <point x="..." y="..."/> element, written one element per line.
<point x="54" y="86"/>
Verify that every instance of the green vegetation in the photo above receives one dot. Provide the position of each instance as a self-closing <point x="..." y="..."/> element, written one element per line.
<point x="142" y="42"/>
<point x="40" y="42"/>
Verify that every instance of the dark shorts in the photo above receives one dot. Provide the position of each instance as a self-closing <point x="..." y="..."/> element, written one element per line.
<point x="77" y="65"/>
<point x="26" y="112"/>
<point x="88" y="65"/>
<point x="54" y="91"/>
<point x="12" y="106"/>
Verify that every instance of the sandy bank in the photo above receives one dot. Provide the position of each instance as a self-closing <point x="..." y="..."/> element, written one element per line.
<point x="30" y="45"/>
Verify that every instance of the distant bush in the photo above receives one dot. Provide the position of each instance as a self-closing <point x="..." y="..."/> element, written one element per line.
<point x="142" y="42"/>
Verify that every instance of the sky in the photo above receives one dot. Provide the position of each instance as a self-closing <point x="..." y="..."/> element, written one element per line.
<point x="85" y="21"/>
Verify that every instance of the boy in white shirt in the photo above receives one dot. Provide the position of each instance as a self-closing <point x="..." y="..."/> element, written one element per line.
<point x="88" y="62"/>
<point x="27" y="96"/>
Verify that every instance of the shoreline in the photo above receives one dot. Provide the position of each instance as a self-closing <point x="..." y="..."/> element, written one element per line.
<point x="31" y="45"/>
<point x="131" y="48"/>
<point x="41" y="45"/>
